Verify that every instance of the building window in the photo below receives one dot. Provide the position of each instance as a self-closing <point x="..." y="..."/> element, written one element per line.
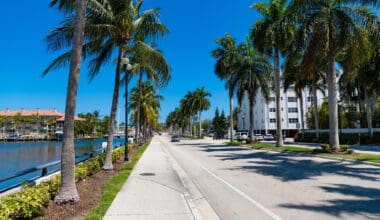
<point x="292" y="99"/>
<point x="310" y="99"/>
<point x="292" y="110"/>
<point x="272" y="109"/>
<point x="272" y="120"/>
<point x="271" y="99"/>
<point x="293" y="120"/>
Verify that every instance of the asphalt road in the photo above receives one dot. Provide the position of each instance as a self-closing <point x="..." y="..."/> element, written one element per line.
<point x="241" y="183"/>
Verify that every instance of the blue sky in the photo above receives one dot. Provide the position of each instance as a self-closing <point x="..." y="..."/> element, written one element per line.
<point x="194" y="26"/>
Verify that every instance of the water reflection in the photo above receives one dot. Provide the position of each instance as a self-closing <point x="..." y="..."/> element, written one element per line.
<point x="16" y="157"/>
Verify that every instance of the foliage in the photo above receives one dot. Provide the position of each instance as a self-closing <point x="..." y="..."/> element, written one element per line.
<point x="344" y="138"/>
<point x="31" y="201"/>
<point x="219" y="123"/>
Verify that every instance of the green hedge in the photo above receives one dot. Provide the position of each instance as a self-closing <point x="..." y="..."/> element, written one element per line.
<point x="31" y="201"/>
<point x="344" y="138"/>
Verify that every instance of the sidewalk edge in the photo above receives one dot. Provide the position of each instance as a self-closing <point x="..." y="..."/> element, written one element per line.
<point x="200" y="207"/>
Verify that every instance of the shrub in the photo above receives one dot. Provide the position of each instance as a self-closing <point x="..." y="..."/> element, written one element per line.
<point x="344" y="138"/>
<point x="31" y="201"/>
<point x="26" y="204"/>
<point x="343" y="148"/>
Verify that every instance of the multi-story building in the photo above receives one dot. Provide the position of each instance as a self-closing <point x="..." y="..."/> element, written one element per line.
<point x="265" y="112"/>
<point x="38" y="123"/>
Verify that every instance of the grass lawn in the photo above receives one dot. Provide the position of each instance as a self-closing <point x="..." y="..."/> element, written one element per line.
<point x="355" y="156"/>
<point x="113" y="186"/>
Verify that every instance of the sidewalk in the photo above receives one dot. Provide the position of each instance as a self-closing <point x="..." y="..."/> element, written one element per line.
<point x="158" y="195"/>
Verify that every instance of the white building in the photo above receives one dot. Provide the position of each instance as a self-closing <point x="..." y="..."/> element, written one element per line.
<point x="265" y="112"/>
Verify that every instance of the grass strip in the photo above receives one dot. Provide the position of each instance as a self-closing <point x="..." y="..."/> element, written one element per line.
<point x="114" y="185"/>
<point x="355" y="156"/>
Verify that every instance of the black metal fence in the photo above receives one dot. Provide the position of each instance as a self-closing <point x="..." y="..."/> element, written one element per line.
<point x="44" y="170"/>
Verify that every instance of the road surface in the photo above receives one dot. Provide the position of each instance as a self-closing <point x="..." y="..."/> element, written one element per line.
<point x="241" y="183"/>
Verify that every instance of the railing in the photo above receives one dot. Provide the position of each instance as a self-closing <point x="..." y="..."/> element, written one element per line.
<point x="44" y="170"/>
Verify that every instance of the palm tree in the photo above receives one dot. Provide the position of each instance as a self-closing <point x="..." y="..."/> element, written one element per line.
<point x="145" y="97"/>
<point x="67" y="191"/>
<point x="227" y="54"/>
<point x="187" y="109"/>
<point x="110" y="25"/>
<point x="334" y="27"/>
<point x="271" y="35"/>
<point x="148" y="61"/>
<point x="201" y="103"/>
<point x="362" y="84"/>
<point x="254" y="75"/>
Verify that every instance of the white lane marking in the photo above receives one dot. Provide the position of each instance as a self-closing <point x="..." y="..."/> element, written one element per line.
<point x="254" y="202"/>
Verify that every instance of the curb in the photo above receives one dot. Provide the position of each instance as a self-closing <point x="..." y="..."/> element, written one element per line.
<point x="197" y="203"/>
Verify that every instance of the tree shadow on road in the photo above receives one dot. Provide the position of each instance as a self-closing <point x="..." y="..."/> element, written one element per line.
<point x="366" y="202"/>
<point x="289" y="166"/>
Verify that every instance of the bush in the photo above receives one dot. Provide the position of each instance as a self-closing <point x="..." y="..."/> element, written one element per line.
<point x="31" y="201"/>
<point x="26" y="204"/>
<point x="344" y="138"/>
<point x="343" y="148"/>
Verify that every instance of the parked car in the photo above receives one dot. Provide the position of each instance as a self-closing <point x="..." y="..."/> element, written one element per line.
<point x="131" y="139"/>
<point x="269" y="137"/>
<point x="241" y="136"/>
<point x="258" y="137"/>
<point x="175" y="138"/>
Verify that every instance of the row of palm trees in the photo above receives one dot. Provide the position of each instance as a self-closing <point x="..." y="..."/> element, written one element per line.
<point x="95" y="30"/>
<point x="184" y="116"/>
<point x="314" y="37"/>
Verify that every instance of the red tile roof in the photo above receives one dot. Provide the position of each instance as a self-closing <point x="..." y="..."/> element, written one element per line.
<point x="37" y="112"/>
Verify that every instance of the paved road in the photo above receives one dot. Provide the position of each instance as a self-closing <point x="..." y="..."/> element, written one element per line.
<point x="241" y="183"/>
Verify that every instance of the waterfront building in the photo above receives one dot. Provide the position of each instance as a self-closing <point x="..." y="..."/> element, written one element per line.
<point x="38" y="123"/>
<point x="265" y="112"/>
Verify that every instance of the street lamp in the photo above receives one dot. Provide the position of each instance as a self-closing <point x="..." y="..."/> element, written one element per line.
<point x="127" y="70"/>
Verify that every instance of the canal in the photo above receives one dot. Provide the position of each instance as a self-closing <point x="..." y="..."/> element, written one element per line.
<point x="16" y="157"/>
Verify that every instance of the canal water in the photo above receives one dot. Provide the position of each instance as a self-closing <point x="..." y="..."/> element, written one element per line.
<point x="17" y="157"/>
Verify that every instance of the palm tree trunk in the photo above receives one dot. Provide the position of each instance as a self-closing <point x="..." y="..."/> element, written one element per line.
<point x="333" y="106"/>
<point x="316" y="116"/>
<point x="251" y="118"/>
<point x="200" y="124"/>
<point x="190" y="127"/>
<point x="231" y="118"/>
<point x="369" y="113"/>
<point x="68" y="191"/>
<point x="138" y="123"/>
<point x="108" y="160"/>
<point x="277" y="79"/>
<point x="302" y="113"/>
<point x="126" y="158"/>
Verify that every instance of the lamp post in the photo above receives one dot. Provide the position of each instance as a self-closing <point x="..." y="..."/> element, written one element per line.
<point x="243" y="121"/>
<point x="127" y="70"/>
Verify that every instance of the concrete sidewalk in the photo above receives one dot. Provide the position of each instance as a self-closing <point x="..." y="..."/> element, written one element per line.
<point x="159" y="194"/>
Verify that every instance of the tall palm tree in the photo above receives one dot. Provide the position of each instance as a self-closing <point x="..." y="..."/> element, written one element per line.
<point x="68" y="191"/>
<point x="187" y="109"/>
<point x="150" y="62"/>
<point x="292" y="76"/>
<point x="254" y="75"/>
<point x="110" y="25"/>
<point x="226" y="55"/>
<point x="334" y="27"/>
<point x="201" y="103"/>
<point x="271" y="35"/>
